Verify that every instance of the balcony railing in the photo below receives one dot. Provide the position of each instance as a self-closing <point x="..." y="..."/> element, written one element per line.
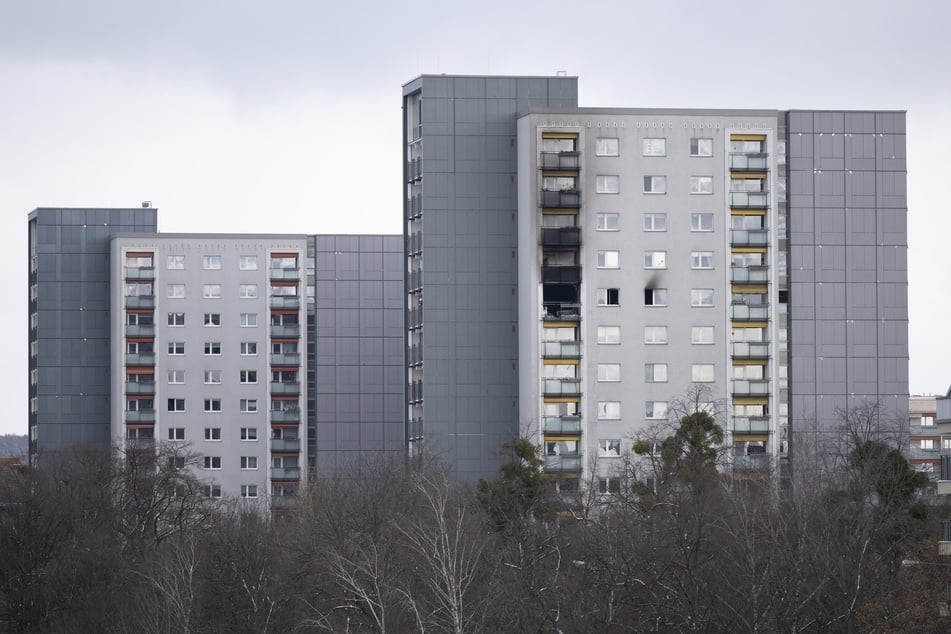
<point x="414" y="356"/>
<point x="563" y="463"/>
<point x="140" y="301"/>
<point x="140" y="416"/>
<point x="943" y="413"/>
<point x="560" y="161"/>
<point x="561" y="236"/>
<point x="414" y="391"/>
<point x="415" y="279"/>
<point x="561" y="199"/>
<point x="281" y="502"/>
<point x="140" y="358"/>
<point x="752" y="462"/>
<point x="747" y="312"/>
<point x="749" y="200"/>
<point x="749" y="350"/>
<point x="743" y="162"/>
<point x="749" y="387"/>
<point x="751" y="424"/>
<point x="749" y="237"/>
<point x="133" y="273"/>
<point x="745" y="274"/>
<point x="414" y="242"/>
<point x="285" y="331"/>
<point x="945" y="467"/>
<point x="561" y="349"/>
<point x="285" y="415"/>
<point x="561" y="311"/>
<point x="288" y="358"/>
<point x="561" y="387"/>
<point x="285" y="301"/>
<point x="285" y="387"/>
<point x="414" y="206"/>
<point x="282" y="445"/>
<point x="562" y="424"/>
<point x="140" y="330"/>
<point x="287" y="473"/>
<point x="140" y="444"/>
<point x="140" y="387"/>
<point x="414" y="169"/>
<point x="284" y="274"/>
<point x="414" y="318"/>
<point x="564" y="274"/>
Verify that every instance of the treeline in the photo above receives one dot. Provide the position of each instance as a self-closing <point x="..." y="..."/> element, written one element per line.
<point x="13" y="446"/>
<point x="99" y="543"/>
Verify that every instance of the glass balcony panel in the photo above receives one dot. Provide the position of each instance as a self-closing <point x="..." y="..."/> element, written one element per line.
<point x="561" y="161"/>
<point x="561" y="311"/>
<point x="563" y="463"/>
<point x="285" y="301"/>
<point x="751" y="161"/>
<point x="749" y="349"/>
<point x="285" y="445"/>
<point x="140" y="330"/>
<point x="749" y="387"/>
<point x="561" y="236"/>
<point x="285" y="416"/>
<point x="746" y="312"/>
<point x="139" y="273"/>
<point x="291" y="358"/>
<point x="140" y="416"/>
<point x="285" y="387"/>
<point x="140" y="301"/>
<point x="140" y="387"/>
<point x="287" y="473"/>
<point x="562" y="424"/>
<point x="751" y="424"/>
<point x="285" y="274"/>
<point x="285" y="331"/>
<point x="561" y="349"/>
<point x="743" y="274"/>
<point x="753" y="462"/>
<point x="568" y="198"/>
<point x="749" y="237"/>
<point x="557" y="387"/>
<point x="141" y="358"/>
<point x="749" y="200"/>
<point x="283" y="501"/>
<point x="570" y="274"/>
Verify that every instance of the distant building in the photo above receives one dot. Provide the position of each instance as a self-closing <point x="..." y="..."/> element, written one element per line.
<point x="925" y="445"/>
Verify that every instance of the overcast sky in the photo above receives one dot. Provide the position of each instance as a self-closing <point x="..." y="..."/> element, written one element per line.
<point x="284" y="116"/>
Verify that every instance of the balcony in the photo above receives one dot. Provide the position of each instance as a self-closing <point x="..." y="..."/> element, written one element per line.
<point x="749" y="350"/>
<point x="415" y="280"/>
<point x="135" y="274"/>
<point x="285" y="302"/>
<point x="285" y="331"/>
<point x="140" y="358"/>
<point x="283" y="502"/>
<point x="414" y="318"/>
<point x="564" y="274"/>
<point x="414" y="391"/>
<point x="749" y="387"/>
<point x="561" y="387"/>
<point x="749" y="237"/>
<point x="414" y="243"/>
<point x="752" y="462"/>
<point x="561" y="236"/>
<point x="560" y="161"/>
<point x="414" y="206"/>
<point x="140" y="387"/>
<point x="741" y="162"/>
<point x="563" y="463"/>
<point x="414" y="169"/>
<point x="562" y="424"/>
<point x="747" y="312"/>
<point x="561" y="199"/>
<point x="284" y="274"/>
<point x="140" y="416"/>
<point x="287" y="473"/>
<point x="560" y="311"/>
<point x="285" y="387"/>
<point x="281" y="445"/>
<point x="414" y="356"/>
<point x="140" y="330"/>
<point x="285" y="415"/>
<point x="749" y="274"/>
<point x="288" y="358"/>
<point x="749" y="200"/>
<point x="751" y="425"/>
<point x="140" y="444"/>
<point x="140" y="301"/>
<point x="943" y="413"/>
<point x="561" y="349"/>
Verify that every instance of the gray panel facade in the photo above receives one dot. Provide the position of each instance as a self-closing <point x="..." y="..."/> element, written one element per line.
<point x="460" y="223"/>
<point x="848" y="272"/>
<point x="355" y="351"/>
<point x="69" y="339"/>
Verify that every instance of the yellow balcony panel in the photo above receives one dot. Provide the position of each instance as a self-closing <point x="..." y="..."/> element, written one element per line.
<point x="751" y="400"/>
<point x="748" y="250"/>
<point x="574" y="135"/>
<point x="749" y="362"/>
<point x="751" y="437"/>
<point x="749" y="288"/>
<point x="554" y="174"/>
<point x="574" y="437"/>
<point x="562" y="399"/>
<point x="561" y="361"/>
<point x="747" y="137"/>
<point x="746" y="175"/>
<point x="747" y="212"/>
<point x="561" y="324"/>
<point x="560" y="212"/>
<point x="749" y="324"/>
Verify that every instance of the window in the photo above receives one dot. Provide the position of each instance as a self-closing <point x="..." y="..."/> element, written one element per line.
<point x="212" y="433"/>
<point x="655" y="222"/>
<point x="609" y="334"/>
<point x="212" y="319"/>
<point x="212" y="405"/>
<point x="212" y="377"/>
<point x="213" y="490"/>
<point x="249" y="348"/>
<point x="609" y="410"/>
<point x="655" y="184"/>
<point x="701" y="222"/>
<point x="132" y="319"/>
<point x="608" y="259"/>
<point x="248" y="262"/>
<point x="249" y="376"/>
<point x="609" y="448"/>
<point x="249" y="433"/>
<point x="927" y="443"/>
<point x="946" y="442"/>
<point x="211" y="262"/>
<point x="176" y="462"/>
<point x="175" y="291"/>
<point x="701" y="373"/>
<point x="701" y="184"/>
<point x="176" y="348"/>
<point x="212" y="348"/>
<point x="211" y="291"/>
<point x="655" y="409"/>
<point x="655" y="334"/>
<point x="249" y="462"/>
<point x="701" y="259"/>
<point x="607" y="184"/>
<point x="655" y="147"/>
<point x="249" y="490"/>
<point x="609" y="296"/>
<point x="176" y="405"/>
<point x="701" y="147"/>
<point x="134" y="347"/>
<point x="176" y="319"/>
<point x="701" y="335"/>
<point x="607" y="147"/>
<point x="608" y="222"/>
<point x="927" y="420"/>
<point x="655" y="259"/>
<point x="176" y="377"/>
<point x="212" y="462"/>
<point x="176" y="433"/>
<point x="655" y="296"/>
<point x="609" y="486"/>
<point x="655" y="372"/>
<point x="175" y="262"/>
<point x="701" y="297"/>
<point x="609" y="372"/>
<point x="248" y="291"/>
<point x="249" y="320"/>
<point x="249" y="405"/>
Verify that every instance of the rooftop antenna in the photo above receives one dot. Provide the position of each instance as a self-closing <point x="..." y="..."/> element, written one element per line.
<point x="561" y="73"/>
<point x="146" y="204"/>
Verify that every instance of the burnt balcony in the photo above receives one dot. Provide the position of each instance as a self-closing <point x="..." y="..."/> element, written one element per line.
<point x="753" y="161"/>
<point x="749" y="200"/>
<point x="561" y="311"/>
<point x="561" y="424"/>
<point x="561" y="349"/>
<point x="140" y="387"/>
<point x="561" y="236"/>
<point x="749" y="350"/>
<point x="285" y="445"/>
<point x="561" y="199"/>
<point x="561" y="387"/>
<point x="749" y="237"/>
<point x="751" y="425"/>
<point x="748" y="312"/>
<point x="749" y="387"/>
<point x="749" y="274"/>
<point x="562" y="463"/>
<point x="562" y="274"/>
<point x="138" y="273"/>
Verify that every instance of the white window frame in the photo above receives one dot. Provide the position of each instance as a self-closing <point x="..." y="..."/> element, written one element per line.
<point x="697" y="148"/>
<point x="701" y="297"/>
<point x="246" y="346"/>
<point x="211" y="262"/>
<point x="651" y="222"/>
<point x="608" y="222"/>
<point x="248" y="406"/>
<point x="248" y="377"/>
<point x="249" y="434"/>
<point x="609" y="410"/>
<point x="655" y="335"/>
<point x="659" y="297"/>
<point x="212" y="463"/>
<point x="248" y="263"/>
<point x="655" y="184"/>
<point x="607" y="146"/>
<point x="604" y="296"/>
<point x="176" y="377"/>
<point x="176" y="320"/>
<point x="609" y="335"/>
<point x="609" y="259"/>
<point x="656" y="146"/>
<point x="249" y="463"/>
<point x="211" y="291"/>
<point x="175" y="291"/>
<point x="609" y="448"/>
<point x="176" y="434"/>
<point x="607" y="184"/>
<point x="175" y="405"/>
<point x="655" y="410"/>
<point x="175" y="262"/>
<point x="701" y="260"/>
<point x="212" y="320"/>
<point x="655" y="372"/>
<point x="212" y="406"/>
<point x="212" y="349"/>
<point x="697" y="221"/>
<point x="655" y="259"/>
<point x="176" y="348"/>
<point x="249" y="320"/>
<point x="703" y="372"/>
<point x="609" y="372"/>
<point x="698" y="335"/>
<point x="212" y="377"/>
<point x="249" y="491"/>
<point x="701" y="185"/>
<point x="248" y="291"/>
